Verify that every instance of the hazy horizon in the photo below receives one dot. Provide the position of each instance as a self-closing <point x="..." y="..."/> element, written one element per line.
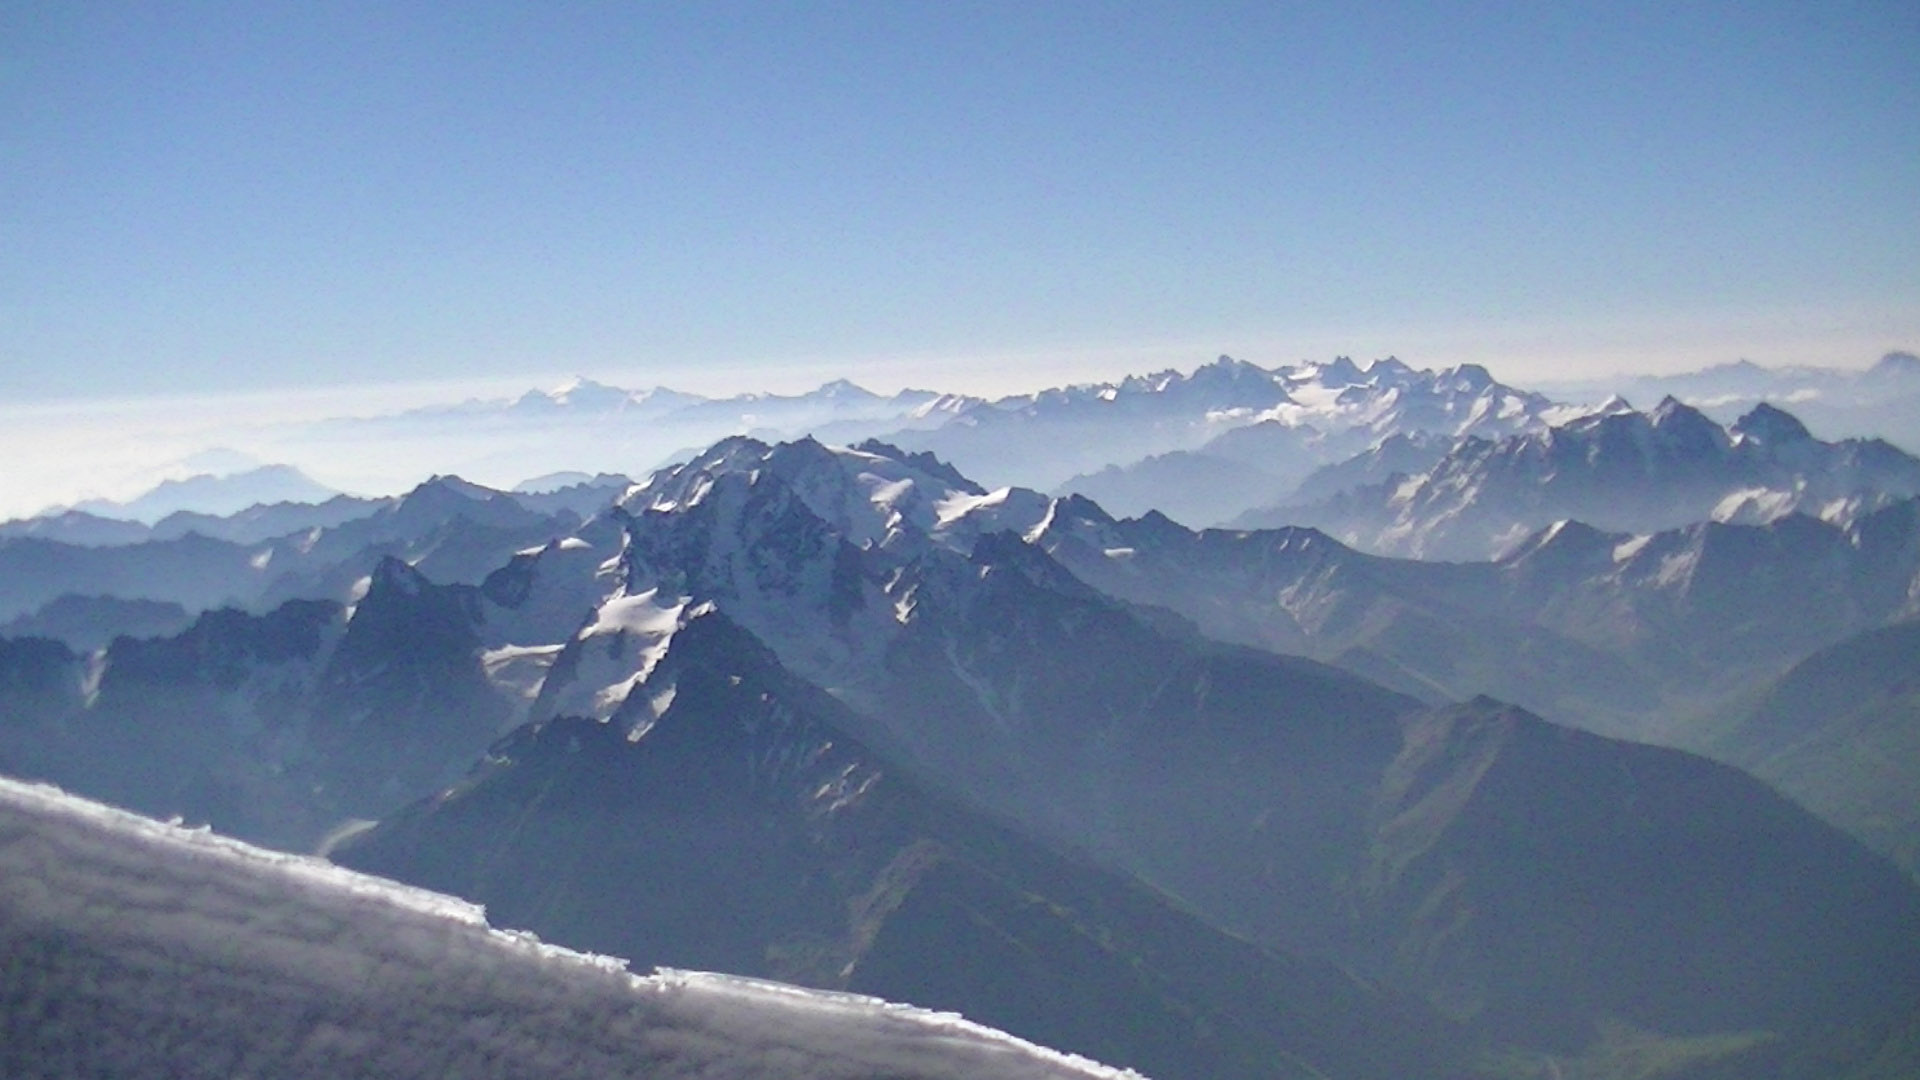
<point x="68" y="451"/>
<point x="224" y="219"/>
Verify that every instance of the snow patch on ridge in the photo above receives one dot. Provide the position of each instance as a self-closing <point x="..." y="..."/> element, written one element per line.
<point x="614" y="655"/>
<point x="1628" y="548"/>
<point x="642" y="614"/>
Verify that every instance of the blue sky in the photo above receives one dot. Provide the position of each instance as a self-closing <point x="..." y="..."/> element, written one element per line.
<point x="211" y="197"/>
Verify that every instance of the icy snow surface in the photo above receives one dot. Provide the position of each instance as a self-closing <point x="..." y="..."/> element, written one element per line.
<point x="187" y="954"/>
<point x="618" y="650"/>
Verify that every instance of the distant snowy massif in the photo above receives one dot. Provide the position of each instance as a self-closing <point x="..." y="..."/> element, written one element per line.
<point x="1497" y="736"/>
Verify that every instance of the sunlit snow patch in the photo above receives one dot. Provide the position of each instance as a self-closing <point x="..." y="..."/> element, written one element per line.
<point x="617" y="652"/>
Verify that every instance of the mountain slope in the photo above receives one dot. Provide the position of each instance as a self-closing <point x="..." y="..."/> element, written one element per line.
<point x="1589" y="867"/>
<point x="135" y="949"/>
<point x="1841" y="734"/>
<point x="1119" y="730"/>
<point x="742" y="827"/>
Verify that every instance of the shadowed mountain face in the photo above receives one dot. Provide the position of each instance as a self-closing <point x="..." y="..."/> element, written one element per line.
<point x="272" y="727"/>
<point x="1693" y="898"/>
<point x="744" y="829"/>
<point x="41" y="685"/>
<point x="1588" y="875"/>
<point x="405" y="696"/>
<point x="777" y="694"/>
<point x="202" y="724"/>
<point x="1840" y="732"/>
<point x="1612" y="632"/>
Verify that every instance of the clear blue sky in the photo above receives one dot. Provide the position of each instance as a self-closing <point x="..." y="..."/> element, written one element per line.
<point x="211" y="196"/>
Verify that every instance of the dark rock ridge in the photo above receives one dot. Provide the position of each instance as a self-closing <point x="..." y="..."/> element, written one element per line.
<point x="90" y="622"/>
<point x="745" y="829"/>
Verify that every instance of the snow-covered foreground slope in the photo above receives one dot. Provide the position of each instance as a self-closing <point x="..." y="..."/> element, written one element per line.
<point x="133" y="948"/>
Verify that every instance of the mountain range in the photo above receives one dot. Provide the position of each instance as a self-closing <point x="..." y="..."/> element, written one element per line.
<point x="743" y="828"/>
<point x="1203" y="447"/>
<point x="1631" y="635"/>
<point x="1882" y="400"/>
<point x="452" y="529"/>
<point x="212" y="495"/>
<point x="1618" y="470"/>
<point x="1224" y="802"/>
<point x="1264" y="432"/>
<point x="842" y="716"/>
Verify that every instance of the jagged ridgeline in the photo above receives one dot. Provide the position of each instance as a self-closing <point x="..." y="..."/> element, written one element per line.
<point x="843" y="717"/>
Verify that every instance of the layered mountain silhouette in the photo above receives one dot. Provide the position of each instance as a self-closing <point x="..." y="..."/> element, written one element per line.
<point x="215" y="494"/>
<point x="91" y="622"/>
<point x="833" y="714"/>
<point x="1616" y="632"/>
<point x="1880" y="401"/>
<point x="1617" y="470"/>
<point x="452" y="529"/>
